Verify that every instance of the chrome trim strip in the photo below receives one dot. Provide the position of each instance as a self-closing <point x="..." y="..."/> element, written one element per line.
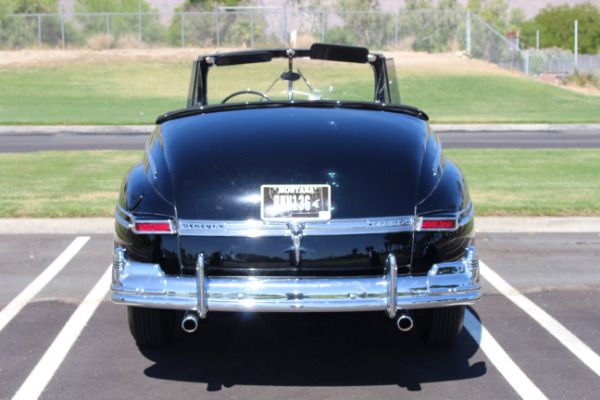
<point x="453" y="283"/>
<point x="258" y="228"/>
<point x="128" y="221"/>
<point x="255" y="228"/>
<point x="123" y="217"/>
<point x="462" y="221"/>
<point x="458" y="217"/>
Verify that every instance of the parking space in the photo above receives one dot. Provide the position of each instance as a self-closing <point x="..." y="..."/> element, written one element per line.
<point x="303" y="356"/>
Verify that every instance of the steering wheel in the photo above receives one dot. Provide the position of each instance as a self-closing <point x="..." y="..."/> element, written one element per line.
<point x="262" y="95"/>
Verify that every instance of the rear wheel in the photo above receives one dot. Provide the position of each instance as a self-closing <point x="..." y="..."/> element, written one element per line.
<point x="440" y="325"/>
<point x="151" y="327"/>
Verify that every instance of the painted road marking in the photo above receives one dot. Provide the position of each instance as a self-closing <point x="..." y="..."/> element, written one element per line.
<point x="37" y="381"/>
<point x="556" y="329"/>
<point x="39" y="378"/>
<point x="23" y="298"/>
<point x="501" y="360"/>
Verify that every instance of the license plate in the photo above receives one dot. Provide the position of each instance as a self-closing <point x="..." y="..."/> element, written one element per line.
<point x="295" y="202"/>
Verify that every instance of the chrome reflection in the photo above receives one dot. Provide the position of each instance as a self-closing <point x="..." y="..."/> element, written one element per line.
<point x="296" y="230"/>
<point x="392" y="267"/>
<point x="190" y="322"/>
<point x="201" y="307"/>
<point x="404" y="323"/>
<point x="453" y="283"/>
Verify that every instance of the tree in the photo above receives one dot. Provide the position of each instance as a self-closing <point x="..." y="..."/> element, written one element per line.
<point x="208" y="5"/>
<point x="557" y="28"/>
<point x="5" y="23"/>
<point x="200" y="28"/>
<point x="366" y="28"/>
<point x="34" y="6"/>
<point x="119" y="25"/>
<point x="515" y="19"/>
<point x="485" y="44"/>
<point x="432" y="31"/>
<point x="494" y="12"/>
<point x="310" y="21"/>
<point x="22" y="31"/>
<point x="414" y="5"/>
<point x="197" y="28"/>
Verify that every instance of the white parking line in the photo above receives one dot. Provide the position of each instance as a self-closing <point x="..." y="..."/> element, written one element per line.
<point x="562" y="334"/>
<point x="37" y="381"/>
<point x="17" y="304"/>
<point x="505" y="365"/>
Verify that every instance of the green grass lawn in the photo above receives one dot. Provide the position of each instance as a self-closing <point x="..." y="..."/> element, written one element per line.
<point x="137" y="92"/>
<point x="501" y="182"/>
<point x="496" y="99"/>
<point x="62" y="183"/>
<point x="133" y="93"/>
<point x="561" y="182"/>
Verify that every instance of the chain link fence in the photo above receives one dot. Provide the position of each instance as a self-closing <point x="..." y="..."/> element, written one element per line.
<point x="428" y="31"/>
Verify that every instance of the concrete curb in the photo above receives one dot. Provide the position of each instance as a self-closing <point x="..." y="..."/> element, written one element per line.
<point x="515" y="127"/>
<point x="147" y="129"/>
<point x="75" y="226"/>
<point x="537" y="224"/>
<point x="85" y="129"/>
<point x="482" y="224"/>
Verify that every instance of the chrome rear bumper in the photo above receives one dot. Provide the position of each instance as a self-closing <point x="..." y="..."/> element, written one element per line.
<point x="446" y="284"/>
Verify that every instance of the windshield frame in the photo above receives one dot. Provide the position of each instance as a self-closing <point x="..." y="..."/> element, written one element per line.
<point x="383" y="93"/>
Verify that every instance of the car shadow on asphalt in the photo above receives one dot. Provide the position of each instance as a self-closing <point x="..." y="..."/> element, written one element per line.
<point x="309" y="350"/>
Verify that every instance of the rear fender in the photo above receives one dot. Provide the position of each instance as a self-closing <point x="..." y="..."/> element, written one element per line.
<point x="450" y="199"/>
<point x="139" y="201"/>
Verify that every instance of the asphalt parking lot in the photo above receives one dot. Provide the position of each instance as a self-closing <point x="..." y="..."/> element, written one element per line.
<point x="534" y="334"/>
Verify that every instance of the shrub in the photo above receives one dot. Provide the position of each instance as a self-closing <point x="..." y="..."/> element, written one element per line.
<point x="100" y="41"/>
<point x="538" y="63"/>
<point x="129" y="41"/>
<point x="339" y="35"/>
<point x="305" y="40"/>
<point x="583" y="79"/>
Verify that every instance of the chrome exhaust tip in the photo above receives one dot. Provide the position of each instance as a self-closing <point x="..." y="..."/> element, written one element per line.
<point x="404" y="323"/>
<point x="190" y="322"/>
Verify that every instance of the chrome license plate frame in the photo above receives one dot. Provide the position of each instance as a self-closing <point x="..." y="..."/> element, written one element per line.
<point x="283" y="202"/>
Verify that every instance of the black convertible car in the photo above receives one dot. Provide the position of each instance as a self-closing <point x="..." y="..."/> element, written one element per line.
<point x="294" y="181"/>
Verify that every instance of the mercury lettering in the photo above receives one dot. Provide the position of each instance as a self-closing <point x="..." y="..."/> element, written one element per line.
<point x="295" y="189"/>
